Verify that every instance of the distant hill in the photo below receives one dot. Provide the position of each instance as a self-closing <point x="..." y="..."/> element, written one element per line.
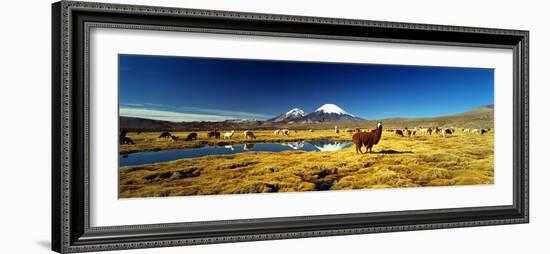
<point x="292" y="115"/>
<point x="481" y="117"/>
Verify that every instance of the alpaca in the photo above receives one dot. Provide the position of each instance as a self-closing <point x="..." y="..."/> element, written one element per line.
<point x="285" y="132"/>
<point x="127" y="140"/>
<point x="367" y="139"/>
<point x="249" y="134"/>
<point x="122" y="139"/>
<point x="399" y="133"/>
<point x="228" y="135"/>
<point x="191" y="136"/>
<point x="165" y="135"/>
<point x="215" y="134"/>
<point x="277" y="131"/>
<point x="174" y="138"/>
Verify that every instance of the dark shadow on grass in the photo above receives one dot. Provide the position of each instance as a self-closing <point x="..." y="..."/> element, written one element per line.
<point x="392" y="152"/>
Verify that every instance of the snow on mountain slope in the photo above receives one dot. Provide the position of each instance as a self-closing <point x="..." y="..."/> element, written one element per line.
<point x="332" y="109"/>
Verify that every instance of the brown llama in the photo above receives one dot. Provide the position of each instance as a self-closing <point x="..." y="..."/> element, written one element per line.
<point x="165" y="135"/>
<point x="122" y="139"/>
<point x="191" y="136"/>
<point x="367" y="139"/>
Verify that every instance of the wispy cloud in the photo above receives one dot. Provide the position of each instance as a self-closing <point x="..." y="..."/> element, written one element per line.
<point x="131" y="104"/>
<point x="188" y="114"/>
<point x="168" y="115"/>
<point x="158" y="105"/>
<point x="227" y="113"/>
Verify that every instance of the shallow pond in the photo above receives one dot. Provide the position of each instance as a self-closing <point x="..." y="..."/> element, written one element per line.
<point x="170" y="155"/>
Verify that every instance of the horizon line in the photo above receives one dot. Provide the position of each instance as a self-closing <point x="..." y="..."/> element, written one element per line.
<point x="235" y="119"/>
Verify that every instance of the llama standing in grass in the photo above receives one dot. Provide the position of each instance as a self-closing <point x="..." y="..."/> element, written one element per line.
<point x="191" y="136"/>
<point x="174" y="138"/>
<point x="336" y="130"/>
<point x="249" y="134"/>
<point x="228" y="135"/>
<point x="367" y="139"/>
<point x="399" y="133"/>
<point x="277" y="131"/>
<point x="285" y="132"/>
<point x="165" y="135"/>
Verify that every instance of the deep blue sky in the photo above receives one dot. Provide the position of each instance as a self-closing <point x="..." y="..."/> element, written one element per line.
<point x="186" y="89"/>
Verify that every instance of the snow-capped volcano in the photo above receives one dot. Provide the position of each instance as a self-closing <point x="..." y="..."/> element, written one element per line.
<point x="293" y="114"/>
<point x="332" y="109"/>
<point x="330" y="113"/>
<point x="326" y="113"/>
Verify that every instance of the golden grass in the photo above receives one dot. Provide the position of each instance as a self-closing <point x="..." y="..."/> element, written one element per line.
<point x="424" y="160"/>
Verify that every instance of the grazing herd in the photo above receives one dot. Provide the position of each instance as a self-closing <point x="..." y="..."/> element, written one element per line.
<point x="360" y="138"/>
<point x="406" y="132"/>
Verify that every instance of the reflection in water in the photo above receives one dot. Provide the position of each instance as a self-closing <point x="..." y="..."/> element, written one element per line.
<point x="248" y="147"/>
<point x="329" y="146"/>
<point x="170" y="155"/>
<point x="295" y="145"/>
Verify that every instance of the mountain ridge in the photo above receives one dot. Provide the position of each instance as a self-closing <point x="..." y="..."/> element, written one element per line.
<point x="480" y="117"/>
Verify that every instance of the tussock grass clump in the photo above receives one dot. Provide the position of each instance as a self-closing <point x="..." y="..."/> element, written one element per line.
<point x="396" y="162"/>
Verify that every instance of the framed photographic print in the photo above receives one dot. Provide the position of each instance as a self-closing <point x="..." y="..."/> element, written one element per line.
<point x="181" y="126"/>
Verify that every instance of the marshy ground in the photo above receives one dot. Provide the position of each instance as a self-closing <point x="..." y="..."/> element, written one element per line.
<point x="422" y="160"/>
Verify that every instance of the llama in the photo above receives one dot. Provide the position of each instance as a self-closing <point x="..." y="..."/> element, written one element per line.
<point x="122" y="139"/>
<point x="277" y="131"/>
<point x="228" y="135"/>
<point x="165" y="135"/>
<point x="336" y="130"/>
<point x="174" y="138"/>
<point x="249" y="134"/>
<point x="215" y="134"/>
<point x="127" y="140"/>
<point x="399" y="133"/>
<point x="285" y="132"/>
<point x="191" y="136"/>
<point x="367" y="139"/>
<point x="408" y="132"/>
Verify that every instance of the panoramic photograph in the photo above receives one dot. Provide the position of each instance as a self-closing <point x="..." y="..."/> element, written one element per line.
<point x="214" y="126"/>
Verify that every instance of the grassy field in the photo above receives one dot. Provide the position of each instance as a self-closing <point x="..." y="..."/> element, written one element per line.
<point x="422" y="160"/>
